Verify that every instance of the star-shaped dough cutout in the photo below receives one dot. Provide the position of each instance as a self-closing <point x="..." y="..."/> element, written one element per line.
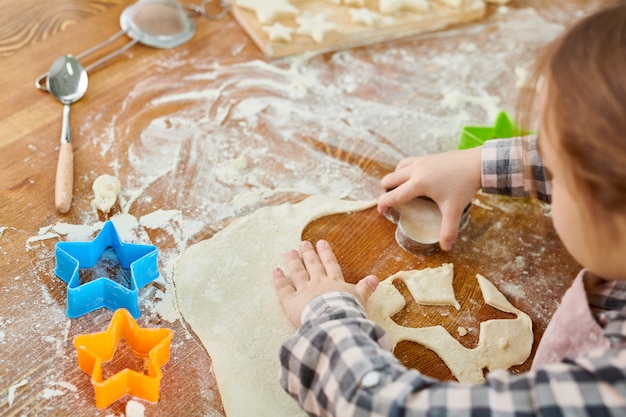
<point x="315" y="26"/>
<point x="278" y="32"/>
<point x="354" y="3"/>
<point x="430" y="286"/>
<point x="95" y="348"/>
<point x="453" y="3"/>
<point x="364" y="16"/>
<point x="268" y="11"/>
<point x="394" y="6"/>
<point x="103" y="291"/>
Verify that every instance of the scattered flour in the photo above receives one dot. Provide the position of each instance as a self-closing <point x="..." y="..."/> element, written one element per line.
<point x="134" y="409"/>
<point x="51" y="393"/>
<point x="68" y="386"/>
<point x="157" y="219"/>
<point x="12" y="391"/>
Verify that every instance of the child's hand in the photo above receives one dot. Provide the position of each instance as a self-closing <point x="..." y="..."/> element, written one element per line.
<point x="450" y="179"/>
<point x="314" y="273"/>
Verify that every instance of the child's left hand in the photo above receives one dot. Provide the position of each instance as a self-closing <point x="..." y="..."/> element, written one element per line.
<point x="314" y="273"/>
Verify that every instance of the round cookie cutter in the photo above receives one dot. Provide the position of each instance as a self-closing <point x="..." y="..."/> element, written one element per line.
<point x="409" y="243"/>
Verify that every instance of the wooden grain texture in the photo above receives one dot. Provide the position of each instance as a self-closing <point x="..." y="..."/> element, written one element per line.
<point x="24" y="23"/>
<point x="109" y="123"/>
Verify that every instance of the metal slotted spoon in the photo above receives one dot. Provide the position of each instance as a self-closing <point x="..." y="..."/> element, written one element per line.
<point x="157" y="23"/>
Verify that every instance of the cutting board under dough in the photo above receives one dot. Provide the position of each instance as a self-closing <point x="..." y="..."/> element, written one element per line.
<point x="505" y="240"/>
<point x="350" y="35"/>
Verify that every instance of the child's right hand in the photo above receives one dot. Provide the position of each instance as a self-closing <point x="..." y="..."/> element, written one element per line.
<point x="451" y="179"/>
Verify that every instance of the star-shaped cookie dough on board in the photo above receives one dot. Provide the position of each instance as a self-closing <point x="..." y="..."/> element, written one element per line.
<point x="353" y="3"/>
<point x="83" y="298"/>
<point x="278" y="32"/>
<point x="314" y="26"/>
<point x="95" y="348"/>
<point x="268" y="11"/>
<point x="364" y="16"/>
<point x="394" y="6"/>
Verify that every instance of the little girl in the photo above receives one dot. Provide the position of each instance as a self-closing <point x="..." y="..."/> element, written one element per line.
<point x="339" y="363"/>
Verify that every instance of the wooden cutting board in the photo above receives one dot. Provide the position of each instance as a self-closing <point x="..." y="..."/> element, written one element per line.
<point x="349" y="34"/>
<point x="509" y="241"/>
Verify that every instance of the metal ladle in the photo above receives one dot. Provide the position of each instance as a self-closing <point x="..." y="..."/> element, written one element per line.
<point x="67" y="81"/>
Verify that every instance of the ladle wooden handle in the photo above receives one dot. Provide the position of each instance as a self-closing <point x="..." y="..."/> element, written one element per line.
<point x="64" y="185"/>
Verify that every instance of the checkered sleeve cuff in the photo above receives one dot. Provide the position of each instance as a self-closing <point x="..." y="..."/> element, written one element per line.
<point x="513" y="167"/>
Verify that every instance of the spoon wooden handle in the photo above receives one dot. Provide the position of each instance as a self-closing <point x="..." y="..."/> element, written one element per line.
<point x="64" y="185"/>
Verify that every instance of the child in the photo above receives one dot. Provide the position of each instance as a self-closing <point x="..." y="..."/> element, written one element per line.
<point x="339" y="363"/>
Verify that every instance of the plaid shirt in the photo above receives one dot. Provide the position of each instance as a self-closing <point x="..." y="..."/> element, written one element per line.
<point x="339" y="363"/>
<point x="513" y="167"/>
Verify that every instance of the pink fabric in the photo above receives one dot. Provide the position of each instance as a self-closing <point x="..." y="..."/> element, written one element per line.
<point x="572" y="331"/>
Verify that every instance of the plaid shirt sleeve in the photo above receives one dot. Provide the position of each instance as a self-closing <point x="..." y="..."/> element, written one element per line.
<point x="339" y="364"/>
<point x="513" y="167"/>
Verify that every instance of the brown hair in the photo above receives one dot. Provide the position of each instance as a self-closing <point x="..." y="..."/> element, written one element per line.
<point x="585" y="73"/>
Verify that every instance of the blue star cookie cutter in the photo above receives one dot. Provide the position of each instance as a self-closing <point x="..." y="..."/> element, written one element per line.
<point x="139" y="260"/>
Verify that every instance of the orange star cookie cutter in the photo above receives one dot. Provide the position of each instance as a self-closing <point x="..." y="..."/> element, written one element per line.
<point x="95" y="348"/>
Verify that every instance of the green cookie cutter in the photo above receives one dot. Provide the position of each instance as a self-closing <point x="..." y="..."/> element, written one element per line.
<point x="504" y="127"/>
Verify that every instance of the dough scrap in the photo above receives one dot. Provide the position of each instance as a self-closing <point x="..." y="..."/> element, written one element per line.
<point x="268" y="11"/>
<point x="106" y="188"/>
<point x="502" y="343"/>
<point x="224" y="292"/>
<point x="395" y="6"/>
<point x="430" y="286"/>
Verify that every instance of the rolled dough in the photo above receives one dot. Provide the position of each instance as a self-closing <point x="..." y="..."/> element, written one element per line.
<point x="224" y="292"/>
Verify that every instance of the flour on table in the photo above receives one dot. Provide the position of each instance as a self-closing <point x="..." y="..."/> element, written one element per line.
<point x="225" y="293"/>
<point x="502" y="343"/>
<point x="457" y="99"/>
<point x="12" y="391"/>
<point x="49" y="393"/>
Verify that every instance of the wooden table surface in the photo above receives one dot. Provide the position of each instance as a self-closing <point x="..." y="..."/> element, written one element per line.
<point x="209" y="131"/>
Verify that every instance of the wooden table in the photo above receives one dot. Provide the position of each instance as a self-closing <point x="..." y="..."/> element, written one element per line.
<point x="209" y="131"/>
